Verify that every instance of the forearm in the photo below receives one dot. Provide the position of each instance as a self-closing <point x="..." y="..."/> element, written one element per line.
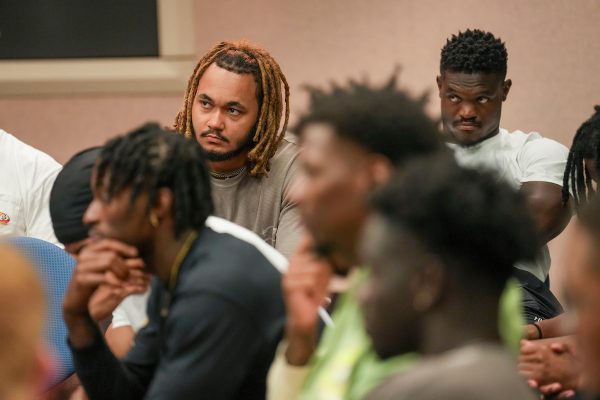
<point x="101" y="374"/>
<point x="549" y="328"/>
<point x="299" y="349"/>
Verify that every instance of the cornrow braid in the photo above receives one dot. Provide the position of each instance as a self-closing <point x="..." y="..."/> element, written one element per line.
<point x="577" y="179"/>
<point x="149" y="159"/>
<point x="244" y="58"/>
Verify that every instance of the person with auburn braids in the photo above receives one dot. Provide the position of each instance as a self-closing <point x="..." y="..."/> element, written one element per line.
<point x="237" y="108"/>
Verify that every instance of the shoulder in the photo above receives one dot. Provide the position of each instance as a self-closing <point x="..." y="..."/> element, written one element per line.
<point x="534" y="145"/>
<point x="230" y="260"/>
<point x="24" y="152"/>
<point x="460" y="374"/>
<point x="242" y="238"/>
<point x="286" y="155"/>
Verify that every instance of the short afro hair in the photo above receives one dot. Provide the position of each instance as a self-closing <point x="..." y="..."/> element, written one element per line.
<point x="478" y="226"/>
<point x="383" y="120"/>
<point x="474" y="51"/>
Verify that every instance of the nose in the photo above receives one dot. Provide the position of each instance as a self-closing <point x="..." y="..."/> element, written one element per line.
<point x="467" y="111"/>
<point x="216" y="121"/>
<point x="91" y="215"/>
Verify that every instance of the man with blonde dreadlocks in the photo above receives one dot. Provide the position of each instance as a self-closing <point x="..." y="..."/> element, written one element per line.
<point x="237" y="108"/>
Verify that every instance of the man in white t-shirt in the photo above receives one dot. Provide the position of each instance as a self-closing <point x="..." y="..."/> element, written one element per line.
<point x="472" y="88"/>
<point x="27" y="177"/>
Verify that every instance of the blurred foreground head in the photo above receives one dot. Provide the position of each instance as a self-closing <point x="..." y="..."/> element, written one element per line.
<point x="22" y="366"/>
<point x="442" y="242"/>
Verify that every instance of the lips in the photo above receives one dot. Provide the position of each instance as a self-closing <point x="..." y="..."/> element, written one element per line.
<point x="466" y="126"/>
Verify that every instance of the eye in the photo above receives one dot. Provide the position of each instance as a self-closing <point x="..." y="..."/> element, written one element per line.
<point x="483" y="100"/>
<point x="234" y="111"/>
<point x="453" y="98"/>
<point x="205" y="104"/>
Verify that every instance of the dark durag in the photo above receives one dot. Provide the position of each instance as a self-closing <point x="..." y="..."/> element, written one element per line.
<point x="71" y="195"/>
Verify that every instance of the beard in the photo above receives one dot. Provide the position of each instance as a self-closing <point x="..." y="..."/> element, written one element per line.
<point x="216" y="156"/>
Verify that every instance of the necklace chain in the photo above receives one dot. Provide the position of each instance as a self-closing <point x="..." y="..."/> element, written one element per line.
<point x="174" y="273"/>
<point x="227" y="175"/>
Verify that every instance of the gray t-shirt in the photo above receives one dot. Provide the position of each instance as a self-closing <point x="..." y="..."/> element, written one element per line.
<point x="472" y="372"/>
<point x="262" y="204"/>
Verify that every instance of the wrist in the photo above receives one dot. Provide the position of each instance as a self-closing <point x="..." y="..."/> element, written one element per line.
<point x="300" y="348"/>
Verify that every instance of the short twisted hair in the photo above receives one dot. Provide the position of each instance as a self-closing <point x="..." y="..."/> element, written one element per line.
<point x="474" y="51"/>
<point x="245" y="58"/>
<point x="384" y="120"/>
<point x="150" y="158"/>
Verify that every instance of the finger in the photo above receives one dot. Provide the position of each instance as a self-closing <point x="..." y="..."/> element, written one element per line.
<point x="90" y="279"/>
<point x="135" y="263"/>
<point x="559" y="347"/>
<point x="551" y="388"/>
<point x="532" y="383"/>
<point x="567" y="394"/>
<point x="121" y="248"/>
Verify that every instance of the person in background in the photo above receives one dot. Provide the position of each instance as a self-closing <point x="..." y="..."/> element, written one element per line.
<point x="24" y="359"/>
<point x="236" y="107"/>
<point x="583" y="294"/>
<point x="472" y="88"/>
<point x="549" y="356"/>
<point x="70" y="197"/>
<point x="215" y="310"/>
<point x="437" y="276"/>
<point x="27" y="177"/>
<point x="352" y="137"/>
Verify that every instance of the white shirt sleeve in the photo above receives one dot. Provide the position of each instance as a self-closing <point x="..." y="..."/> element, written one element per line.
<point x="132" y="312"/>
<point x="543" y="160"/>
<point x="38" y="172"/>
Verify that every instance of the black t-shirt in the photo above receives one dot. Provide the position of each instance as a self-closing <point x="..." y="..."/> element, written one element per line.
<point x="225" y="320"/>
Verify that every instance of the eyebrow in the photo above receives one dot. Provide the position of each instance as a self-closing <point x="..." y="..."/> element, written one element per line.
<point x="236" y="104"/>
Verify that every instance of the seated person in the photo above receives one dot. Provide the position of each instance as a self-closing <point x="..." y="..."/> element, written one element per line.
<point x="27" y="177"/>
<point x="442" y="243"/>
<point x="583" y="293"/>
<point x="70" y="196"/>
<point x="24" y="364"/>
<point x="552" y="363"/>
<point x="473" y="86"/>
<point x="215" y="310"/>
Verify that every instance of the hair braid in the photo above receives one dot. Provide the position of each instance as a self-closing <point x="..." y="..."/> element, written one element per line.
<point x="242" y="58"/>
<point x="577" y="179"/>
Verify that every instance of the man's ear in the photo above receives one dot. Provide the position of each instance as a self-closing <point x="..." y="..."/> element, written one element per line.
<point x="163" y="205"/>
<point x="438" y="80"/>
<point x="506" y="88"/>
<point x="429" y="285"/>
<point x="381" y="169"/>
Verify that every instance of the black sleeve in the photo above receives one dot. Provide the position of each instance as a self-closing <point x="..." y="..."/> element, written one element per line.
<point x="209" y="347"/>
<point x="104" y="376"/>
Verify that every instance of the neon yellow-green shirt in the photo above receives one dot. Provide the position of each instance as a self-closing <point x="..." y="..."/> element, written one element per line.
<point x="345" y="366"/>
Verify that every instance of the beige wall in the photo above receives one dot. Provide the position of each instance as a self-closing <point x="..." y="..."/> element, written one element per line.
<point x="553" y="46"/>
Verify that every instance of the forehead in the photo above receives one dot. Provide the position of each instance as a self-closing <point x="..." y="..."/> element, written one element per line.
<point x="320" y="143"/>
<point x="477" y="82"/>
<point x="221" y="84"/>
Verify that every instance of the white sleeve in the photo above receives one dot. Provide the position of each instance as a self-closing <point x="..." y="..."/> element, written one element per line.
<point x="132" y="312"/>
<point x="543" y="160"/>
<point x="39" y="171"/>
